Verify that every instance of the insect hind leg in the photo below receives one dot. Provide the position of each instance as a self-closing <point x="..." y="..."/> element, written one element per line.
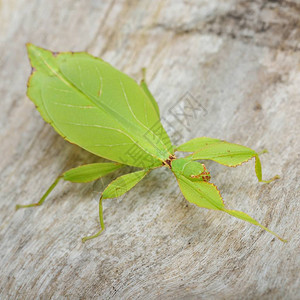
<point x="53" y="185"/>
<point x="84" y="239"/>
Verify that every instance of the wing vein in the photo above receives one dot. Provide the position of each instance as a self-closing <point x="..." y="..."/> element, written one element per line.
<point x="133" y="114"/>
<point x="111" y="145"/>
<point x="86" y="96"/>
<point x="76" y="106"/>
<point x="101" y="81"/>
<point x="110" y="128"/>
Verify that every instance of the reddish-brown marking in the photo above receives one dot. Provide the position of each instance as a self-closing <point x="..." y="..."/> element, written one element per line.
<point x="168" y="161"/>
<point x="205" y="175"/>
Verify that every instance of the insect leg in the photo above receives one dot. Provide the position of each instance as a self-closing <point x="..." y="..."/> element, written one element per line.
<point x="116" y="188"/>
<point x="84" y="173"/>
<point x="145" y="88"/>
<point x="259" y="173"/>
<point x="84" y="239"/>
<point x="53" y="185"/>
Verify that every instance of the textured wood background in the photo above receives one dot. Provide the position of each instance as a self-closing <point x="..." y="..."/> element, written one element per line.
<point x="239" y="62"/>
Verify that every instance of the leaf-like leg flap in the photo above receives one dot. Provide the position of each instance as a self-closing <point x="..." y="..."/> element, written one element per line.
<point x="117" y="188"/>
<point x="90" y="172"/>
<point x="85" y="173"/>
<point x="145" y="88"/>
<point x="197" y="144"/>
<point x="225" y="153"/>
<point x="123" y="184"/>
<point x="205" y="194"/>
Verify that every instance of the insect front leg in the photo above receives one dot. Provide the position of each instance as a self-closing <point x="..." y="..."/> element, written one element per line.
<point x="225" y="153"/>
<point x="259" y="172"/>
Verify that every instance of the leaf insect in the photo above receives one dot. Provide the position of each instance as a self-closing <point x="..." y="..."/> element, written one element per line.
<point x="102" y="110"/>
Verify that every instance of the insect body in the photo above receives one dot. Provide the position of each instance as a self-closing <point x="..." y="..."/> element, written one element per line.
<point x="107" y="113"/>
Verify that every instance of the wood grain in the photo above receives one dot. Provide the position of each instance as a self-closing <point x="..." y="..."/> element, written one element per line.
<point x="232" y="68"/>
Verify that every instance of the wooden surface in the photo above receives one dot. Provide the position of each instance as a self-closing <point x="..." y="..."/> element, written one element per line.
<point x="239" y="62"/>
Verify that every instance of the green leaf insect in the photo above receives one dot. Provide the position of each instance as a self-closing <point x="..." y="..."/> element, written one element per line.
<point x="93" y="105"/>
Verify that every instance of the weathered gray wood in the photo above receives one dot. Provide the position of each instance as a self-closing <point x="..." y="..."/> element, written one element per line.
<point x="241" y="61"/>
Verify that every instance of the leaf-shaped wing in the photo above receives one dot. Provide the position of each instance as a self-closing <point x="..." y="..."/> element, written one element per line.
<point x="95" y="106"/>
<point x="205" y="194"/>
<point x="123" y="184"/>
